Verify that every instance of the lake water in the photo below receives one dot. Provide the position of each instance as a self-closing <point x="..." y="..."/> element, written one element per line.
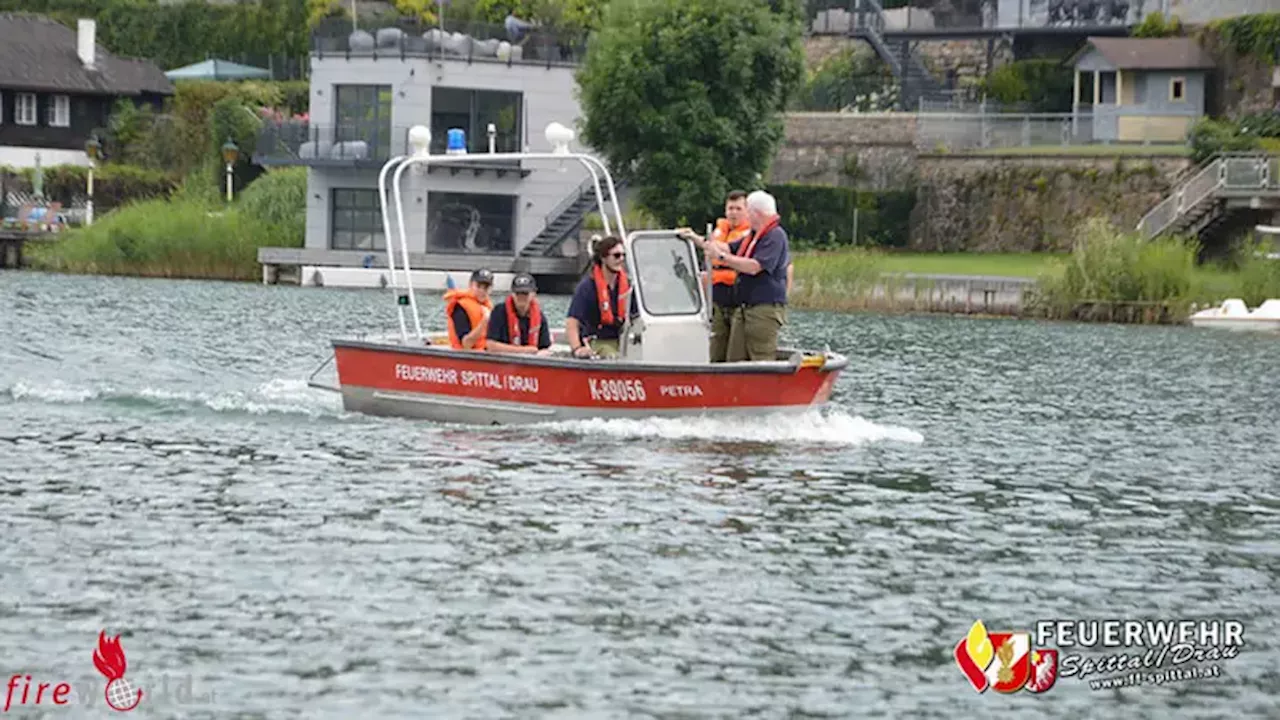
<point x="166" y="474"/>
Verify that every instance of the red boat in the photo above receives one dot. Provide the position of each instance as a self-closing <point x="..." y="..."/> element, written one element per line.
<point x="664" y="366"/>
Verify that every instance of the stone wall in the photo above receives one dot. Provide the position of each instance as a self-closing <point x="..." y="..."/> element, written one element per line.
<point x="1243" y="83"/>
<point x="1031" y="203"/>
<point x="874" y="151"/>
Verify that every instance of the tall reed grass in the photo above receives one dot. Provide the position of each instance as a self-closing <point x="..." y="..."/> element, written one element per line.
<point x="1111" y="267"/>
<point x="190" y="235"/>
<point x="1156" y="280"/>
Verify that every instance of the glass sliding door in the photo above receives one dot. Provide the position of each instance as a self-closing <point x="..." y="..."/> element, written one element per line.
<point x="472" y="111"/>
<point x="363" y="116"/>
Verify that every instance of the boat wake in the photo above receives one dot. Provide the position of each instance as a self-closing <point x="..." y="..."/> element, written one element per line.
<point x="832" y="427"/>
<point x="292" y="397"/>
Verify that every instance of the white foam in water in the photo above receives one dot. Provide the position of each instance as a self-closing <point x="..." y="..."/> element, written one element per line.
<point x="56" y="391"/>
<point x="277" y="395"/>
<point x="831" y="428"/>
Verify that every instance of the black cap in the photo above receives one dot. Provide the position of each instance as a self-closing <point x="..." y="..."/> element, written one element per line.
<point x="483" y="276"/>
<point x="523" y="282"/>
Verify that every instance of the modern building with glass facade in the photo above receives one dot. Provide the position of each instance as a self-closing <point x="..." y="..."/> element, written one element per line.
<point x="369" y="88"/>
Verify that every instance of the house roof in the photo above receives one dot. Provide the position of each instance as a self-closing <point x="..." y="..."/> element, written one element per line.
<point x="216" y="69"/>
<point x="38" y="53"/>
<point x="1148" y="53"/>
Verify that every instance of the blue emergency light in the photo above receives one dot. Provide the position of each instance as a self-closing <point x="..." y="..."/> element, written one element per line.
<point x="457" y="142"/>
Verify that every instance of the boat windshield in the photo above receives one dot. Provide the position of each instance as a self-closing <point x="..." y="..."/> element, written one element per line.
<point x="668" y="280"/>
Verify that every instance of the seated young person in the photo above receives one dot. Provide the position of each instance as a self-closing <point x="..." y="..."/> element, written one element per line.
<point x="519" y="326"/>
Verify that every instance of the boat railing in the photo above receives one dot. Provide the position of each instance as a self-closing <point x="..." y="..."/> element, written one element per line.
<point x="420" y="154"/>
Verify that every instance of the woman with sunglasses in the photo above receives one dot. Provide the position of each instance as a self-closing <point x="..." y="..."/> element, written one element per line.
<point x="601" y="302"/>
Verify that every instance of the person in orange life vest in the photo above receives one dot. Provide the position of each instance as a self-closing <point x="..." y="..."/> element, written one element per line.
<point x="601" y="302"/>
<point x="467" y="312"/>
<point x="732" y="227"/>
<point x="760" y="293"/>
<point x="519" y="325"/>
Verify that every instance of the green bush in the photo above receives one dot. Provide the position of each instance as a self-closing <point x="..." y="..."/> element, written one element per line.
<point x="1257" y="34"/>
<point x="1156" y="25"/>
<point x="1110" y="265"/>
<point x="181" y="238"/>
<point x="820" y="216"/>
<point x="1208" y="137"/>
<point x="843" y="80"/>
<point x="1041" y="85"/>
<point x="279" y="198"/>
<point x="177" y="34"/>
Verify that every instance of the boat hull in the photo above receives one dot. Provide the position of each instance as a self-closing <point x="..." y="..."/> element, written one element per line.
<point x="446" y="385"/>
<point x="1243" y="324"/>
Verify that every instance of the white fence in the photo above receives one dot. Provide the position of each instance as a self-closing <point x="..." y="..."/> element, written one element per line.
<point x="947" y="132"/>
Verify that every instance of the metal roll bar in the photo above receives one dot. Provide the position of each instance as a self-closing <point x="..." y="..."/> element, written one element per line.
<point x="420" y="138"/>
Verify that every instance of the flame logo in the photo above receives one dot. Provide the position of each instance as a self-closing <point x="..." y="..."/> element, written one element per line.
<point x="978" y="644"/>
<point x="110" y="661"/>
<point x="974" y="654"/>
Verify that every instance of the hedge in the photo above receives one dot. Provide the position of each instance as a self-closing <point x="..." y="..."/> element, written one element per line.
<point x="179" y="34"/>
<point x="113" y="185"/>
<point x="823" y="216"/>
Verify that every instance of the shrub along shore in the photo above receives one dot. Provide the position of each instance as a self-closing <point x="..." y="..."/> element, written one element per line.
<point x="193" y="234"/>
<point x="1110" y="275"/>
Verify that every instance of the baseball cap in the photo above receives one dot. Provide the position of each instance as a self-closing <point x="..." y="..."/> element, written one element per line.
<point x="483" y="276"/>
<point x="523" y="282"/>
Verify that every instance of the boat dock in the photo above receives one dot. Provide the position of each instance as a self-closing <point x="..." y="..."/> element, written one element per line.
<point x="13" y="242"/>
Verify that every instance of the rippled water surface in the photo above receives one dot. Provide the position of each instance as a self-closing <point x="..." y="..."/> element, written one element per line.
<point x="166" y="474"/>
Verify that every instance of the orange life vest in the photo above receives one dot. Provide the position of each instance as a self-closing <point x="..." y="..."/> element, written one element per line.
<point x="513" y="323"/>
<point x="602" y="296"/>
<point x="475" y="313"/>
<point x="720" y="274"/>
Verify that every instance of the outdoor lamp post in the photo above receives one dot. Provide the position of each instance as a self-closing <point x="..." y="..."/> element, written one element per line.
<point x="93" y="149"/>
<point x="229" y="154"/>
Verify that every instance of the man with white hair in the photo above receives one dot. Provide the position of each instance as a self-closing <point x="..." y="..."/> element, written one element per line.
<point x="759" y="301"/>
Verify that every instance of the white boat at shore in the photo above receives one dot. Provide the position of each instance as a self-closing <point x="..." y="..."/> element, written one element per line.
<point x="1233" y="314"/>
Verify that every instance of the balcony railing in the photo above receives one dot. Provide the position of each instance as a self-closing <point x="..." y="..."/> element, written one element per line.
<point x="369" y="145"/>
<point x="404" y="37"/>
<point x="302" y="143"/>
<point x="842" y="16"/>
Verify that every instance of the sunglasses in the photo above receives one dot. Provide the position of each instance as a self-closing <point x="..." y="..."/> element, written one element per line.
<point x="616" y="255"/>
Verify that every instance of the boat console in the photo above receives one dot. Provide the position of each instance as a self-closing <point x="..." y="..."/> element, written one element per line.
<point x="672" y="324"/>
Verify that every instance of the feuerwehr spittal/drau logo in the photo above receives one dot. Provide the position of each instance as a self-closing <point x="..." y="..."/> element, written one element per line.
<point x="110" y="661"/>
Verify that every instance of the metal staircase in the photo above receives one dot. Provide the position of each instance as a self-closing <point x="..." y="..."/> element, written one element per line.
<point x="899" y="54"/>
<point x="566" y="219"/>
<point x="1204" y="201"/>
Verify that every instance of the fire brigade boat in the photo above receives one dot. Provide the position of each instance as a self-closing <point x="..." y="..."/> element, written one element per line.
<point x="664" y="367"/>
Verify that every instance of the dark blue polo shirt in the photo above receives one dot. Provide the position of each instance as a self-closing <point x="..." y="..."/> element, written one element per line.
<point x="721" y="294"/>
<point x="500" y="331"/>
<point x="586" y="309"/>
<point x="461" y="321"/>
<point x="770" y="285"/>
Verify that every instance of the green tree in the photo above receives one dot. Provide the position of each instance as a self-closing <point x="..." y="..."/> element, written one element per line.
<point x="1043" y="85"/>
<point x="685" y="97"/>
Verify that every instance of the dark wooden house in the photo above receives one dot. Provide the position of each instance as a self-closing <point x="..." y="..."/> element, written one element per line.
<point x="57" y="85"/>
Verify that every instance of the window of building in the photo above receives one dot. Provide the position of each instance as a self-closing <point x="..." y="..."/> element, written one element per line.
<point x="1177" y="89"/>
<point x="467" y="222"/>
<point x="357" y="220"/>
<point x="59" y="111"/>
<point x="363" y="115"/>
<point x="24" y="110"/>
<point x="472" y="111"/>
